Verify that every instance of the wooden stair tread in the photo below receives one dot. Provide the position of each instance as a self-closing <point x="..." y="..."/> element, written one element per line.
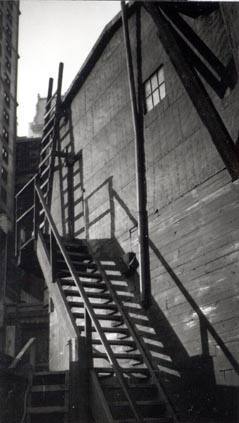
<point x="47" y="410"/>
<point x="49" y="373"/>
<point x="48" y="388"/>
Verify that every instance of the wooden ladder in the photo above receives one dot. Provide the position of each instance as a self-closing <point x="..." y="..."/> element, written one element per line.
<point x="49" y="140"/>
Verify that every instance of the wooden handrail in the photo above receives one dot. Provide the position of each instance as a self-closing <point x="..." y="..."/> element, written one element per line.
<point x="88" y="305"/>
<point x="22" y="352"/>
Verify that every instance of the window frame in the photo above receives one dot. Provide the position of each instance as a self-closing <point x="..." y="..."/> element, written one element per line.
<point x="154" y="89"/>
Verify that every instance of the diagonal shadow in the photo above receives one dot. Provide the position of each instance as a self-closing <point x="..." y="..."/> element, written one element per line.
<point x="193" y="389"/>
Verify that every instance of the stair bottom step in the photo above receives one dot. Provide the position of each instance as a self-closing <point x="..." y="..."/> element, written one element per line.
<point x="147" y="420"/>
<point x="48" y="418"/>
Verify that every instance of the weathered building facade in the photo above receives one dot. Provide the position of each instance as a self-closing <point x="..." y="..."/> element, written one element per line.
<point x="192" y="200"/>
<point x="9" y="15"/>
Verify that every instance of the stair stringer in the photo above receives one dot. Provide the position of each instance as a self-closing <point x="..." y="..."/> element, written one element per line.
<point x="98" y="401"/>
<point x="55" y="289"/>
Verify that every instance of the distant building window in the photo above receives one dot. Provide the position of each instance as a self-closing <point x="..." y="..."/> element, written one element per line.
<point x="8" y="65"/>
<point x="6" y="98"/>
<point x="3" y="195"/>
<point x="6" y="116"/>
<point x="8" y="32"/>
<point x="5" y="154"/>
<point x="4" y="174"/>
<point x="9" y="16"/>
<point x="7" y="80"/>
<point x="154" y="89"/>
<point x="5" y="134"/>
<point x="9" y="49"/>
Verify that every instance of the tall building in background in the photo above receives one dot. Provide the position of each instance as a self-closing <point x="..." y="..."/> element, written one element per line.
<point x="9" y="17"/>
<point x="36" y="127"/>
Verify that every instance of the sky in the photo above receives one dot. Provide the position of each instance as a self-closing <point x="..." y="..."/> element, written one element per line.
<point x="53" y="31"/>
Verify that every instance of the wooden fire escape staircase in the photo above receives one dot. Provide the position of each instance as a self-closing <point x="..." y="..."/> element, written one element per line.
<point x="123" y="381"/>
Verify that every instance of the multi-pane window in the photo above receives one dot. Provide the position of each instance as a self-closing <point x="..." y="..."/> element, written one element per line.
<point x="154" y="89"/>
<point x="4" y="154"/>
<point x="4" y="175"/>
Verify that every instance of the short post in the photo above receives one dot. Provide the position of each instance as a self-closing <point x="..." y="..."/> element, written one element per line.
<point x="78" y="381"/>
<point x="53" y="256"/>
<point x="88" y="336"/>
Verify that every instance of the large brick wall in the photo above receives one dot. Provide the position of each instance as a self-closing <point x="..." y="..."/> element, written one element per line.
<point x="192" y="203"/>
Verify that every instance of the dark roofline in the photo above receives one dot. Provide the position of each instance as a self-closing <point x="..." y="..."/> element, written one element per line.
<point x="95" y="54"/>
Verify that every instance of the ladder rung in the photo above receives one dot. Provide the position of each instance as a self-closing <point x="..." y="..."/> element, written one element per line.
<point x="47" y="157"/>
<point x="45" y="170"/>
<point x="44" y="184"/>
<point x="48" y="117"/>
<point x="45" y="136"/>
<point x="48" y="145"/>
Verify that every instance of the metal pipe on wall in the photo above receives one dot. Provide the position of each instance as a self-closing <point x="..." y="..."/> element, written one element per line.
<point x="137" y="116"/>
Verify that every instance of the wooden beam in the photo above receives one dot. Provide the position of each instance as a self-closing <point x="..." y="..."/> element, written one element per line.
<point x="140" y="172"/>
<point x="195" y="61"/>
<point x="196" y="91"/>
<point x="195" y="40"/>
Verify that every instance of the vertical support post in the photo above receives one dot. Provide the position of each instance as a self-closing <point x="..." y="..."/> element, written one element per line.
<point x="36" y="212"/>
<point x="53" y="256"/>
<point x="59" y="81"/>
<point x="16" y="226"/>
<point x="88" y="337"/>
<point x="137" y="115"/>
<point x="204" y="337"/>
<point x="78" y="378"/>
<point x="70" y="175"/>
